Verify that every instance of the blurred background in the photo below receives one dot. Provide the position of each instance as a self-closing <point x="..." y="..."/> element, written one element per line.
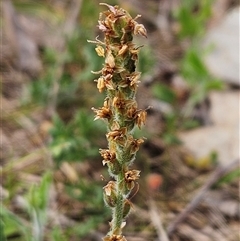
<point x="51" y="171"/>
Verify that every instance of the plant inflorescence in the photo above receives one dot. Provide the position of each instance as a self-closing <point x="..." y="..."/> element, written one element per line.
<point x="120" y="80"/>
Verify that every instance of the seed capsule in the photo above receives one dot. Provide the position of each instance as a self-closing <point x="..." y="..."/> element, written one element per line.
<point x="100" y="84"/>
<point x="110" y="60"/>
<point x="100" y="51"/>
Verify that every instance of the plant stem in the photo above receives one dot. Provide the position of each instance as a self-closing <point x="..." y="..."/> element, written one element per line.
<point x="118" y="210"/>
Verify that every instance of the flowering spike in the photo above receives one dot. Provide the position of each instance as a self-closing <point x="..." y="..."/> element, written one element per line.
<point x="120" y="80"/>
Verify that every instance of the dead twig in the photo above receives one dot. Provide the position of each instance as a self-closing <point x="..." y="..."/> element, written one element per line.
<point x="157" y="222"/>
<point x="216" y="175"/>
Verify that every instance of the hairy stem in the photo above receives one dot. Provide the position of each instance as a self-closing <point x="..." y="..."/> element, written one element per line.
<point x="118" y="210"/>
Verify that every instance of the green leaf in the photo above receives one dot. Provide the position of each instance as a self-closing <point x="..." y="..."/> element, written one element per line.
<point x="171" y="139"/>
<point x="11" y="224"/>
<point x="164" y="93"/>
<point x="192" y="17"/>
<point x="38" y="196"/>
<point x="214" y="85"/>
<point x="43" y="10"/>
<point x="76" y="140"/>
<point x="228" y="178"/>
<point x="2" y="233"/>
<point x="146" y="60"/>
<point x="58" y="235"/>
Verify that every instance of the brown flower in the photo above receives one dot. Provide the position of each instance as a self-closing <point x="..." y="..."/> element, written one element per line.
<point x="141" y="118"/>
<point x="113" y="9"/>
<point x="123" y="49"/>
<point x="134" y="78"/>
<point x="106" y="25"/>
<point x="118" y="135"/>
<point x="114" y="238"/>
<point x="130" y="177"/>
<point x="110" y="194"/>
<point x="130" y="81"/>
<point x="119" y="103"/>
<point x="140" y="29"/>
<point x="131" y="112"/>
<point x="108" y="156"/>
<point x="104" y="112"/>
<point x="107" y="70"/>
<point x="134" y="144"/>
<point x="134" y="51"/>
<point x="108" y="82"/>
